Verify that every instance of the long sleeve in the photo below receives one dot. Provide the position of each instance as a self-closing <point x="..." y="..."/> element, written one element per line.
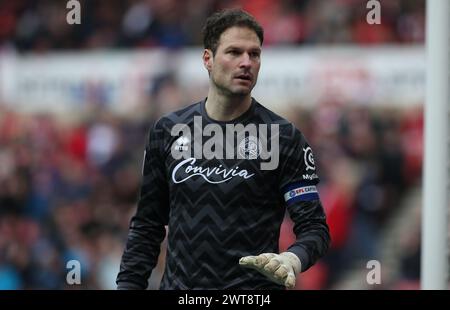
<point x="147" y="226"/>
<point x="298" y="182"/>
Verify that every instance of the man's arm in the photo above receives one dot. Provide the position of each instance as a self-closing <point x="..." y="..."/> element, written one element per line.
<point x="298" y="186"/>
<point x="311" y="230"/>
<point x="298" y="181"/>
<point x="147" y="227"/>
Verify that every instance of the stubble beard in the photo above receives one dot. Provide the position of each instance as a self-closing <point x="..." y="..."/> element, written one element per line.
<point x="228" y="92"/>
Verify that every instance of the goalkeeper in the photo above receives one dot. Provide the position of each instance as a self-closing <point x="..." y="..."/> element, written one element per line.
<point x="223" y="213"/>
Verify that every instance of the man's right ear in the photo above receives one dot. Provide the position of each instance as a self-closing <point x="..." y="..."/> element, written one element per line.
<point x="207" y="59"/>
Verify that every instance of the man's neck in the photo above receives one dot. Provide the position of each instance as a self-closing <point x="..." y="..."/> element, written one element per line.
<point x="221" y="108"/>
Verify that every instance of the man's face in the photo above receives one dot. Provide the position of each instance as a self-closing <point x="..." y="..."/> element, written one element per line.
<point x="235" y="66"/>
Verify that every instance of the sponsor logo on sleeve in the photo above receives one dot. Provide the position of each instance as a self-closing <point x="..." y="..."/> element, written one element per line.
<point x="309" y="159"/>
<point x="182" y="144"/>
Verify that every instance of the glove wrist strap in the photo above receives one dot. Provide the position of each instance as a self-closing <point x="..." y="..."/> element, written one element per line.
<point x="294" y="260"/>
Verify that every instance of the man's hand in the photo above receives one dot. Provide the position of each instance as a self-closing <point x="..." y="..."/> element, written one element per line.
<point x="280" y="268"/>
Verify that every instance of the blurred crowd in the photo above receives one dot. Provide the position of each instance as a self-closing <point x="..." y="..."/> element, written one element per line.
<point x="68" y="190"/>
<point x="368" y="161"/>
<point x="63" y="197"/>
<point x="40" y="25"/>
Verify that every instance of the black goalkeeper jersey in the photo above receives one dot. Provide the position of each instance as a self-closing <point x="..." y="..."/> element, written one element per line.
<point x="220" y="209"/>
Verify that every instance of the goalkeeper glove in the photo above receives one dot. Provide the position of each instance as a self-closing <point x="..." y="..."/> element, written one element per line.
<point x="280" y="268"/>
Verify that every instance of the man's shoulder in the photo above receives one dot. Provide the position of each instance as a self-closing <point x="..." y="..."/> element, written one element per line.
<point x="287" y="128"/>
<point x="180" y="116"/>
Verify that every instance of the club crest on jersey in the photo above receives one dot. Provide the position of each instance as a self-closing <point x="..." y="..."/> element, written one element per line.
<point x="250" y="147"/>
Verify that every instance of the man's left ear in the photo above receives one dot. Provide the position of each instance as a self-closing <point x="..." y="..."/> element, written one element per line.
<point x="207" y="59"/>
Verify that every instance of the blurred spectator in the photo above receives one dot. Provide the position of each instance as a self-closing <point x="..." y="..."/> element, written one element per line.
<point x="41" y="25"/>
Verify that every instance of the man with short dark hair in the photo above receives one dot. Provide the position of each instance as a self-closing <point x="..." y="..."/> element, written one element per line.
<point x="223" y="190"/>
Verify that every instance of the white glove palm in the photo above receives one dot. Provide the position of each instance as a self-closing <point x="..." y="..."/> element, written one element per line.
<point x="280" y="268"/>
